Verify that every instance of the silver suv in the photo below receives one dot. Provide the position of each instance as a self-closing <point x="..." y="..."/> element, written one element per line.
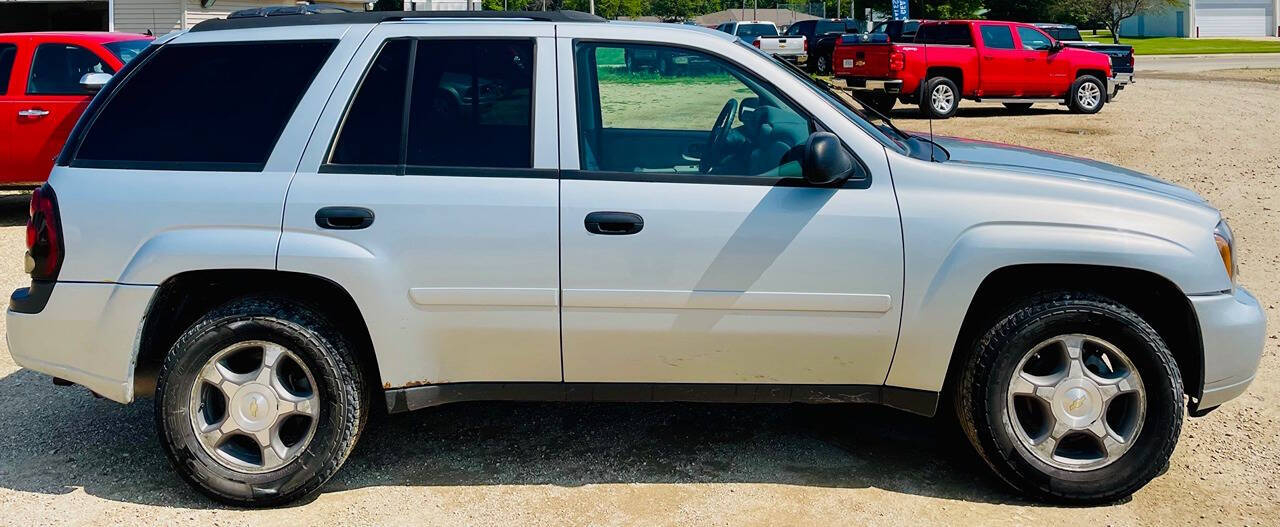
<point x="274" y="224"/>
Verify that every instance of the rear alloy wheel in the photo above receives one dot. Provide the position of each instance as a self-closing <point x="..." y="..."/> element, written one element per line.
<point x="940" y="98"/>
<point x="1087" y="95"/>
<point x="259" y="402"/>
<point x="1072" y="397"/>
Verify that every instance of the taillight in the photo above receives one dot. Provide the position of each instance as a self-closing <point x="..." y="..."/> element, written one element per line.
<point x="756" y="42"/>
<point x="806" y="45"/>
<point x="897" y="61"/>
<point x="1131" y="58"/>
<point x="44" y="235"/>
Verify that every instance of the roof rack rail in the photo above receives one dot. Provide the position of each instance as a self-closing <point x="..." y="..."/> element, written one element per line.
<point x="375" y="17"/>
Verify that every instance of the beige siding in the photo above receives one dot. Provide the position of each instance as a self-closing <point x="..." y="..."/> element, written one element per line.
<point x="137" y="16"/>
<point x="220" y="9"/>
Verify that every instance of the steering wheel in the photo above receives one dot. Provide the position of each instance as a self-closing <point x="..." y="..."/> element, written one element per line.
<point x="719" y="132"/>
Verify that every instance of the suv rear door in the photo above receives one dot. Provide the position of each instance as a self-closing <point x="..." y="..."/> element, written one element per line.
<point x="675" y="274"/>
<point x="428" y="191"/>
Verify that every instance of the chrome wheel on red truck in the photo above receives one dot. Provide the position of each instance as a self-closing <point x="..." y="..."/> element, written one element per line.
<point x="1087" y="95"/>
<point x="940" y="98"/>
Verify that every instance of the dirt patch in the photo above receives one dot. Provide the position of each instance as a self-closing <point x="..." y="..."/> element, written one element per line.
<point x="1260" y="75"/>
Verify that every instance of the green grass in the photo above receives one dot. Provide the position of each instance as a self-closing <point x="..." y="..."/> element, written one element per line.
<point x="1190" y="46"/>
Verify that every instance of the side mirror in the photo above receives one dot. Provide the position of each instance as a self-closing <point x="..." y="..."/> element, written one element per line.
<point x="1055" y="46"/>
<point x="825" y="160"/>
<point x="92" y="82"/>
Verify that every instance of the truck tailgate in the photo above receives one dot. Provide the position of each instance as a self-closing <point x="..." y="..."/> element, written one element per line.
<point x="862" y="60"/>
<point x="782" y="45"/>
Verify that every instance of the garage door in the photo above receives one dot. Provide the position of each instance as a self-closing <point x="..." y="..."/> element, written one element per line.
<point x="1243" y="18"/>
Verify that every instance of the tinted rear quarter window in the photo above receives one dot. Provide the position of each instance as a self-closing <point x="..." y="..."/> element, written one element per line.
<point x="370" y="133"/>
<point x="216" y="106"/>
<point x="8" y="52"/>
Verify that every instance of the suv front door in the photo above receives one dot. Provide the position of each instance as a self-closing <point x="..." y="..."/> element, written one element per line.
<point x="687" y="259"/>
<point x="429" y="192"/>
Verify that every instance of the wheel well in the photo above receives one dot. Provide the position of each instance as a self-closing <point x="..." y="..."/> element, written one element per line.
<point x="184" y="298"/>
<point x="1151" y="296"/>
<point x="1101" y="75"/>
<point x="955" y="74"/>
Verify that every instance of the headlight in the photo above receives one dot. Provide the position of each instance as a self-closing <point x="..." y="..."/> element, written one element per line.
<point x="1227" y="249"/>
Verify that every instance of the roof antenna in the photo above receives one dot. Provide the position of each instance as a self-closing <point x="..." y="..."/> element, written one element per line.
<point x="925" y="99"/>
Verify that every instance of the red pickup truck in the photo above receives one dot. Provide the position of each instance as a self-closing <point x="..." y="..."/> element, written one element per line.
<point x="1009" y="62"/>
<point x="41" y="95"/>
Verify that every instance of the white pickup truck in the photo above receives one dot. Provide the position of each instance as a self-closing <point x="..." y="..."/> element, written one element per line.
<point x="764" y="35"/>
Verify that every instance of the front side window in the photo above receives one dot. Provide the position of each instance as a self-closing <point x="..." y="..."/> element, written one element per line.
<point x="470" y="104"/>
<point x="8" y="52"/>
<point x="997" y="37"/>
<point x="56" y="69"/>
<point x="702" y="115"/>
<point x="215" y="106"/>
<point x="1033" y="40"/>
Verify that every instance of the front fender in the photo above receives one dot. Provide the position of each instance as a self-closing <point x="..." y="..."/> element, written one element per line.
<point x="932" y="318"/>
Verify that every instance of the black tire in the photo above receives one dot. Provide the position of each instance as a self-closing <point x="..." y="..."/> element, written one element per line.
<point x="984" y="416"/>
<point x="822" y="64"/>
<point x="1018" y="107"/>
<point x="1083" y="83"/>
<point x="926" y="98"/>
<point x="339" y="417"/>
<point x="880" y="101"/>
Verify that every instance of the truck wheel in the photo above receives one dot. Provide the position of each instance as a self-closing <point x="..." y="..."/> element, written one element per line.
<point x="940" y="98"/>
<point x="259" y="402"/>
<point x="881" y="102"/>
<point x="1072" y="397"/>
<point x="1087" y="95"/>
<point x="822" y="64"/>
<point x="1018" y="107"/>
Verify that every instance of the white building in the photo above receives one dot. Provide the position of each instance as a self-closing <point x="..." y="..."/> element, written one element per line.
<point x="1207" y="18"/>
<point x="442" y="5"/>
<point x="133" y="16"/>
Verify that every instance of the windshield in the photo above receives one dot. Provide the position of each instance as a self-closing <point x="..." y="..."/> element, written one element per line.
<point x="874" y="123"/>
<point x="127" y="50"/>
<point x="749" y="32"/>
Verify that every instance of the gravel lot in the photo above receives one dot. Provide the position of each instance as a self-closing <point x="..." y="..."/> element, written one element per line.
<point x="66" y="457"/>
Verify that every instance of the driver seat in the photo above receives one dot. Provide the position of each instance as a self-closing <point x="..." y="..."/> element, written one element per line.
<point x="776" y="132"/>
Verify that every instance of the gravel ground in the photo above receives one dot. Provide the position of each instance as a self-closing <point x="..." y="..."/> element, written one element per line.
<point x="68" y="458"/>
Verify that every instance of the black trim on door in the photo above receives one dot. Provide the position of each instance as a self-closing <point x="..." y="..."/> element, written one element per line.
<point x="417" y="170"/>
<point x="920" y="402"/>
<point x="706" y="179"/>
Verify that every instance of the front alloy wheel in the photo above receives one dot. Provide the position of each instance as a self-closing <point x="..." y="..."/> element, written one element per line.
<point x="1071" y="397"/>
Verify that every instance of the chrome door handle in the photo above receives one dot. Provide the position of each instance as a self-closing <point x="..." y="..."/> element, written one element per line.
<point x="33" y="112"/>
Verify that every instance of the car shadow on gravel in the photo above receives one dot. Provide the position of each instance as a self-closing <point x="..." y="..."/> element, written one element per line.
<point x="912" y="114"/>
<point x="60" y="439"/>
<point x="13" y="208"/>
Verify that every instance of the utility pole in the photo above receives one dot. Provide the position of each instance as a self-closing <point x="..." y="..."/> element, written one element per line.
<point x="593" y="7"/>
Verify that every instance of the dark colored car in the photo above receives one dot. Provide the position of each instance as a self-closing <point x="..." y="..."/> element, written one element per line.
<point x="1121" y="54"/>
<point x="898" y="30"/>
<point x="822" y="34"/>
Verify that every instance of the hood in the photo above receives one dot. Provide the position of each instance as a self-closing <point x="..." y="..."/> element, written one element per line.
<point x="1049" y="164"/>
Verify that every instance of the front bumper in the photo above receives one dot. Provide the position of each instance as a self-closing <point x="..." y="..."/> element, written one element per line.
<point x="87" y="333"/>
<point x="1116" y="83"/>
<point x="1233" y="329"/>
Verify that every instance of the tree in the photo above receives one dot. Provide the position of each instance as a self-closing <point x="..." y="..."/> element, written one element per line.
<point x="1112" y="12"/>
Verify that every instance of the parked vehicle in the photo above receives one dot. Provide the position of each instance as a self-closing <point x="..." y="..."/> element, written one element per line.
<point x="898" y="30"/>
<point x="821" y="36"/>
<point x="1009" y="62"/>
<point x="749" y="236"/>
<point x="46" y="81"/>
<point x="1121" y="54"/>
<point x="764" y="35"/>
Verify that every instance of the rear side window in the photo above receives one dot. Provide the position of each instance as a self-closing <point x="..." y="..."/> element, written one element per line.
<point x="997" y="37"/>
<point x="945" y="34"/>
<point x="7" y="54"/>
<point x="203" y="106"/>
<point x="56" y="69"/>
<point x="470" y="105"/>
